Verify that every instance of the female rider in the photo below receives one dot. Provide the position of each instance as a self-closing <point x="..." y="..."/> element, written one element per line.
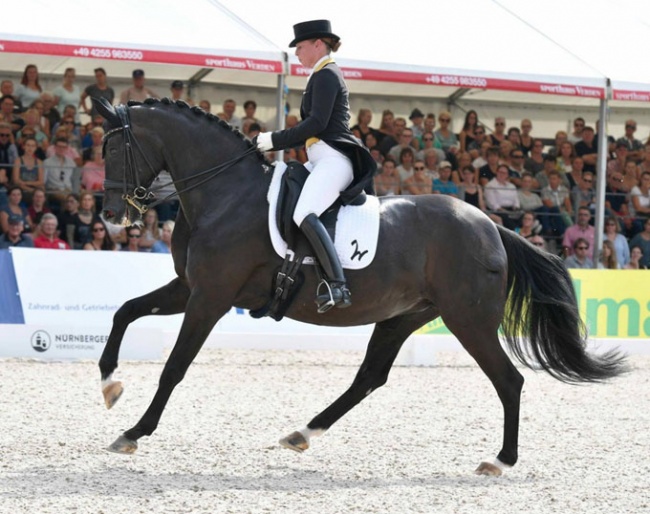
<point x="338" y="162"/>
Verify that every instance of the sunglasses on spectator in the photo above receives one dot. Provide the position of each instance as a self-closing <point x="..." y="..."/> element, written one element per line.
<point x="630" y="126"/>
<point x="428" y="138"/>
<point x="499" y="123"/>
<point x="98" y="229"/>
<point x="445" y="119"/>
<point x="418" y="168"/>
<point x="538" y="244"/>
<point x="134" y="236"/>
<point x="4" y="135"/>
<point x="582" y="248"/>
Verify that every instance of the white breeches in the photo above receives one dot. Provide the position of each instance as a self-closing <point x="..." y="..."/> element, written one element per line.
<point x="330" y="173"/>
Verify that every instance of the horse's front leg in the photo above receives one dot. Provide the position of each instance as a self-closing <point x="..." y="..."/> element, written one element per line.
<point x="201" y="315"/>
<point x="169" y="299"/>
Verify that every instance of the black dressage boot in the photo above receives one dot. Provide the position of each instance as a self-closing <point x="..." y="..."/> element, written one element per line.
<point x="332" y="291"/>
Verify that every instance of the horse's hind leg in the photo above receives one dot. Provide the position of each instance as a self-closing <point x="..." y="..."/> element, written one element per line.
<point x="482" y="342"/>
<point x="384" y="345"/>
<point x="169" y="299"/>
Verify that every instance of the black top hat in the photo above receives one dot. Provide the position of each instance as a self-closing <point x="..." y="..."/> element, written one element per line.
<point x="416" y="113"/>
<point x="312" y="30"/>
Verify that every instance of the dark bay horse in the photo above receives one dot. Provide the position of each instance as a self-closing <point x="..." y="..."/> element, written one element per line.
<point x="437" y="256"/>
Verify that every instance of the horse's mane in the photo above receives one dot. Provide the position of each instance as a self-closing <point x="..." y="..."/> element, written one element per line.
<point x="208" y="115"/>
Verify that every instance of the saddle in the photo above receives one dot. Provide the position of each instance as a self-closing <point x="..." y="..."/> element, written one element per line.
<point x="289" y="278"/>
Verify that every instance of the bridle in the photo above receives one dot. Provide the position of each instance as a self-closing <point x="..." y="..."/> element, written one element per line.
<point x="133" y="192"/>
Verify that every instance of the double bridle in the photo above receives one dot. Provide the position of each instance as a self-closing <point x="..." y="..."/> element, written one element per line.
<point x="133" y="192"/>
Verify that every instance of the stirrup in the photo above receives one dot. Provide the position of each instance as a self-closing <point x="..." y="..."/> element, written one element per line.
<point x="336" y="295"/>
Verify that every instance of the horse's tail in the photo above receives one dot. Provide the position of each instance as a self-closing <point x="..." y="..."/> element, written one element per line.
<point x="542" y="311"/>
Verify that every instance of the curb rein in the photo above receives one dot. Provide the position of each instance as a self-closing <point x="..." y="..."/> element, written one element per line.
<point x="141" y="193"/>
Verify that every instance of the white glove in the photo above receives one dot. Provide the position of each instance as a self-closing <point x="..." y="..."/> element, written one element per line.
<point x="264" y="141"/>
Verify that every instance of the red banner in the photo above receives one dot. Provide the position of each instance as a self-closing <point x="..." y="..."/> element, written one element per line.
<point x="152" y="56"/>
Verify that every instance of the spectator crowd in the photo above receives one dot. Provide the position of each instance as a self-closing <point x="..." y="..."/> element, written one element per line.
<point x="52" y="172"/>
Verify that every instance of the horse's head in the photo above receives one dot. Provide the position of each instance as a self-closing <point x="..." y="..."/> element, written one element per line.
<point x="131" y="164"/>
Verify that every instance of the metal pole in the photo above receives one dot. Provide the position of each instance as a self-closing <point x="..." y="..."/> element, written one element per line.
<point x="601" y="177"/>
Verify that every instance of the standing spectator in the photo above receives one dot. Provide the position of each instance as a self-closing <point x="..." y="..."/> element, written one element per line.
<point x="417" y="123"/>
<point x="576" y="135"/>
<point x="28" y="173"/>
<point x="164" y="244"/>
<point x="250" y="107"/>
<point x="38" y="207"/>
<point x="14" y="207"/>
<point x="636" y="258"/>
<point x="59" y="170"/>
<point x="137" y="92"/>
<point x="467" y="136"/>
<point x="525" y="136"/>
<point x="634" y="146"/>
<point x="645" y="163"/>
<point x="100" y="89"/>
<point x="228" y="113"/>
<point x="68" y="93"/>
<point x="502" y="199"/>
<point x="642" y="240"/>
<point x="419" y="183"/>
<point x="14" y="235"/>
<point x="47" y="234"/>
<point x="100" y="240"/>
<point x="443" y="184"/>
<point x="177" y="90"/>
<point x="580" y="230"/>
<point x="499" y="133"/>
<point x="514" y="136"/>
<point x="580" y="257"/>
<point x="386" y="127"/>
<point x="387" y="183"/>
<point x="7" y="88"/>
<point x="588" y="149"/>
<point x="49" y="111"/>
<point x="205" y="105"/>
<point x="619" y="241"/>
<point x="29" y="88"/>
<point x="133" y="234"/>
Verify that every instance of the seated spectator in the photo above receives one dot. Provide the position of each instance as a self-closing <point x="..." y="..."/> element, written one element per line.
<point x="8" y="114"/>
<point x="618" y="241"/>
<point x="33" y="129"/>
<point x="133" y="234"/>
<point x="68" y="130"/>
<point x="588" y="149"/>
<point x="429" y="145"/>
<point x="475" y="147"/>
<point x="514" y="136"/>
<point x="636" y="258"/>
<point x="47" y="234"/>
<point x="49" y="111"/>
<point x="499" y="133"/>
<point x="467" y="135"/>
<point x="549" y="166"/>
<point x="579" y="258"/>
<point x="557" y="200"/>
<point x="250" y="107"/>
<point x="480" y="158"/>
<point x="65" y="216"/>
<point x="463" y="160"/>
<point x="79" y="231"/>
<point x="564" y="160"/>
<point x="431" y="162"/>
<point x="228" y="113"/>
<point x="205" y="105"/>
<point x="28" y="173"/>
<point x="501" y="197"/>
<point x="489" y="170"/>
<point x="14" y="207"/>
<point x="93" y="172"/>
<point x="417" y="120"/>
<point x="575" y="175"/>
<point x="642" y="240"/>
<point x="640" y="202"/>
<point x="8" y="155"/>
<point x="535" y="162"/>
<point x="405" y="141"/>
<point x="580" y="230"/>
<point x="14" y="236"/>
<point x="608" y="257"/>
<point x="100" y="240"/>
<point x="537" y="240"/>
<point x="470" y="192"/>
<point x="517" y="168"/>
<point x="96" y="142"/>
<point x="150" y="230"/>
<point x="38" y="207"/>
<point x="529" y="200"/>
<point x="443" y="184"/>
<point x="634" y="146"/>
<point x="59" y="170"/>
<point x="387" y="183"/>
<point x="445" y="137"/>
<point x="164" y="244"/>
<point x="405" y="168"/>
<point x="583" y="194"/>
<point x="529" y="225"/>
<point x="526" y="138"/>
<point x="419" y="183"/>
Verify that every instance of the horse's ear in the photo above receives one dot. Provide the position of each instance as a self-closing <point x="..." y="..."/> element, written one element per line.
<point x="105" y="108"/>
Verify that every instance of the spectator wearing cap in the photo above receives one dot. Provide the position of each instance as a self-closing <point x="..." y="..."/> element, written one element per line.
<point x="137" y="92"/>
<point x="443" y="184"/>
<point x="417" y="120"/>
<point x="47" y="234"/>
<point x="100" y="89"/>
<point x="14" y="235"/>
<point x="177" y="89"/>
<point x="634" y="146"/>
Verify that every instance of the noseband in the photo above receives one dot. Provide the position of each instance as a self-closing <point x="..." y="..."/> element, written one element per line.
<point x="133" y="192"/>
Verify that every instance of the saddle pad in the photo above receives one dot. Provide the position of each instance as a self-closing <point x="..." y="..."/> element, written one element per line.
<point x="357" y="228"/>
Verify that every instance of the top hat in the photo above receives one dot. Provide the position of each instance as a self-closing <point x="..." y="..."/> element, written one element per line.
<point x="416" y="113"/>
<point x="312" y="30"/>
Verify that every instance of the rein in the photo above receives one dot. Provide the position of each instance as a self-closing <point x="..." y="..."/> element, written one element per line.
<point x="131" y="178"/>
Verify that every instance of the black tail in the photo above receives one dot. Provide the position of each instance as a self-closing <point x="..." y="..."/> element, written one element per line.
<point x="543" y="311"/>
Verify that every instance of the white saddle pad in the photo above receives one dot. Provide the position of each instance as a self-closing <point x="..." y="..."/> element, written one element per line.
<point x="357" y="228"/>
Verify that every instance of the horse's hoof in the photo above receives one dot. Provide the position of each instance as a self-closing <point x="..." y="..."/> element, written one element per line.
<point x="123" y="445"/>
<point x="112" y="393"/>
<point x="486" y="468"/>
<point x="295" y="441"/>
